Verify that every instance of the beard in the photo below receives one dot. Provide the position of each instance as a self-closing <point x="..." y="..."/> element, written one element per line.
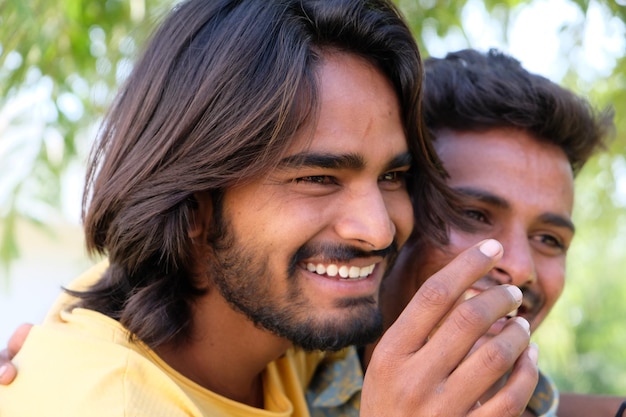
<point x="242" y="276"/>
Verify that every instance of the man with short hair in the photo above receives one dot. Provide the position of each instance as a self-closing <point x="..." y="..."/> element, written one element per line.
<point x="512" y="143"/>
<point x="250" y="188"/>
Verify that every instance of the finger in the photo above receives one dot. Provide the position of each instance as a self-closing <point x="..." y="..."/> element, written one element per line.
<point x="513" y="398"/>
<point x="493" y="359"/>
<point x="471" y="319"/>
<point x="437" y="296"/>
<point x="17" y="339"/>
<point x="7" y="372"/>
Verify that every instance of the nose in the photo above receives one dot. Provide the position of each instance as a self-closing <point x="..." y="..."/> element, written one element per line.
<point x="364" y="219"/>
<point x="517" y="265"/>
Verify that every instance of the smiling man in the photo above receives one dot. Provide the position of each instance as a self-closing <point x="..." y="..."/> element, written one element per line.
<point x="512" y="143"/>
<point x="308" y="210"/>
<point x="251" y="187"/>
<point x="520" y="190"/>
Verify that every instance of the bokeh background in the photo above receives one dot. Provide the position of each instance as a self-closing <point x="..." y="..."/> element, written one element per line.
<point x="61" y="61"/>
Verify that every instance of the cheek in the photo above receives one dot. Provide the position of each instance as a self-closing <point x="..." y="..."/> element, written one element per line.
<point x="551" y="280"/>
<point x="551" y="277"/>
<point x="459" y="241"/>
<point x="259" y="224"/>
<point x="400" y="212"/>
<point x="434" y="260"/>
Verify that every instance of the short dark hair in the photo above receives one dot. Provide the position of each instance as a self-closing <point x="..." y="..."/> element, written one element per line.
<point x="215" y="100"/>
<point x="470" y="90"/>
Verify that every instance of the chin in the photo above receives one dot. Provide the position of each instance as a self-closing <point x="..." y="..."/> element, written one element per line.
<point x="359" y="327"/>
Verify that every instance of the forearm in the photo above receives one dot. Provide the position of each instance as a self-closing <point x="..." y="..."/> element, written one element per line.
<point x="585" y="405"/>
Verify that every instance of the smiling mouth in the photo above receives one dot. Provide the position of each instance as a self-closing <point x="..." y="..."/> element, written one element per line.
<point x="347" y="272"/>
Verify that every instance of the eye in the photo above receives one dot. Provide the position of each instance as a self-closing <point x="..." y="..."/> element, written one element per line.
<point x="551" y="242"/>
<point x="393" y="180"/>
<point x="390" y="176"/>
<point x="476" y="215"/>
<point x="316" y="179"/>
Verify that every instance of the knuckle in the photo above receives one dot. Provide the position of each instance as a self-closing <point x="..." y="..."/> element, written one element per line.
<point x="499" y="356"/>
<point x="434" y="293"/>
<point x="513" y="405"/>
<point x="383" y="357"/>
<point x="386" y="362"/>
<point x="471" y="315"/>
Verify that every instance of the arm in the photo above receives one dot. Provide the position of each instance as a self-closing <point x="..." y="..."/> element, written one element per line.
<point x="413" y="374"/>
<point x="7" y="370"/>
<point x="583" y="405"/>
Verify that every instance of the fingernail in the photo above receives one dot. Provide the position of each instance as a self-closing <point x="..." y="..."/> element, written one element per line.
<point x="490" y="248"/>
<point x="3" y="369"/>
<point x="523" y="322"/>
<point x="533" y="352"/>
<point x="515" y="292"/>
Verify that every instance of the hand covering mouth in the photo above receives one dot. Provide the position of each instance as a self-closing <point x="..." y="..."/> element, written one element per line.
<point x="472" y="292"/>
<point x="531" y="301"/>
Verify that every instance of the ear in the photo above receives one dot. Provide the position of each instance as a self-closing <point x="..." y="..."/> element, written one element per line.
<point x="201" y="213"/>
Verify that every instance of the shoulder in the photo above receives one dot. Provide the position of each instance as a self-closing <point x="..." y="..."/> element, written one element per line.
<point x="86" y="365"/>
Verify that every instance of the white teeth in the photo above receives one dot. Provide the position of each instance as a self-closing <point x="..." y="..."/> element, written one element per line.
<point x="344" y="271"/>
<point x="354" y="272"/>
<point x="512" y="313"/>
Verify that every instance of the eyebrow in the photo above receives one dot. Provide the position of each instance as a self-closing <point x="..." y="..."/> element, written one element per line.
<point x="349" y="161"/>
<point x="483" y="196"/>
<point x="558" y="220"/>
<point x="494" y="200"/>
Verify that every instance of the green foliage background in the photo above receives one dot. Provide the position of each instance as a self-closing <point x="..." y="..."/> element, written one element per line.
<point x="82" y="50"/>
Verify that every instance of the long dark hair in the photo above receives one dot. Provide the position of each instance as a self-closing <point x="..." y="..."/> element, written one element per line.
<point x="215" y="100"/>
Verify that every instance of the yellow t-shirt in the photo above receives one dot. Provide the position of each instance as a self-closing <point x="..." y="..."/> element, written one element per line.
<point x="81" y="363"/>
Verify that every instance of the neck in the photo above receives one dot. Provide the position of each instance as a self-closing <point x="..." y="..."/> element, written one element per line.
<point x="226" y="352"/>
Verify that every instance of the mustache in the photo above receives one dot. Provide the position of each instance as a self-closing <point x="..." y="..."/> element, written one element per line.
<point x="338" y="253"/>
<point x="532" y="300"/>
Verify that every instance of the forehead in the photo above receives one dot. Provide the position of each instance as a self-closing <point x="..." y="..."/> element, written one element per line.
<point x="359" y="111"/>
<point x="511" y="164"/>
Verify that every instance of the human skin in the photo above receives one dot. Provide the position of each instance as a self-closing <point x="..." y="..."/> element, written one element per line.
<point x="272" y="217"/>
<point x="519" y="191"/>
<point x="577" y="405"/>
<point x="356" y="202"/>
<point x="335" y="205"/>
<point x="15" y="342"/>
